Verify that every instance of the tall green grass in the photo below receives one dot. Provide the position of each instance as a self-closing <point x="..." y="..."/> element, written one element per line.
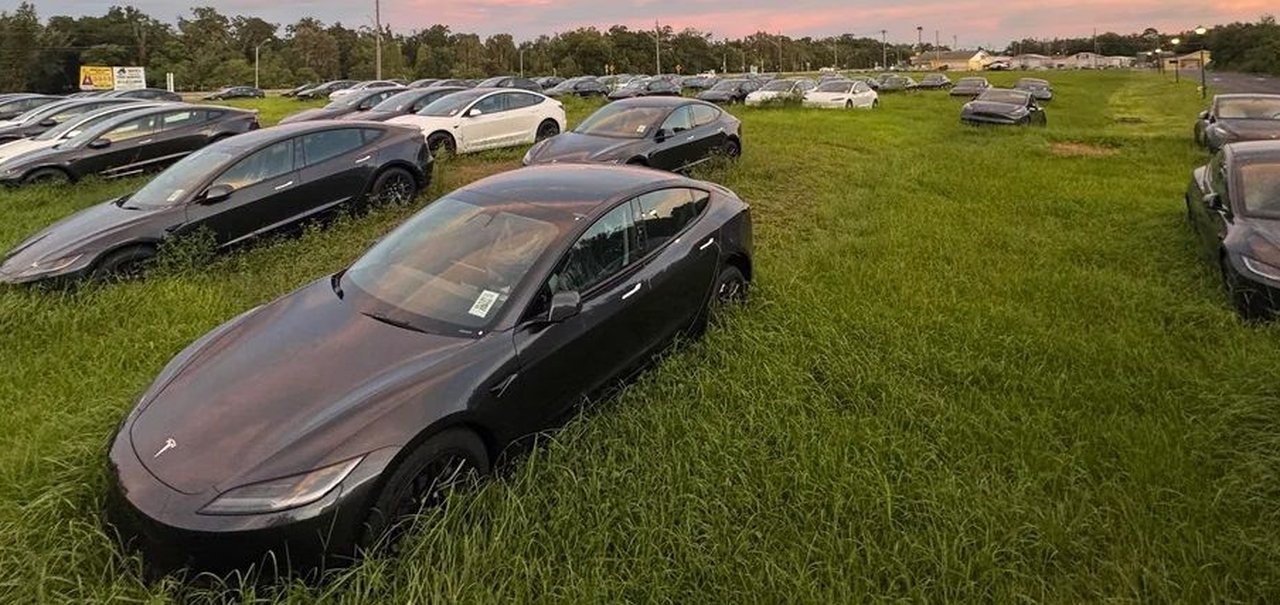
<point x="973" y="368"/>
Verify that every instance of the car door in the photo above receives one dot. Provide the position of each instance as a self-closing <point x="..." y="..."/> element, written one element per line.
<point x="709" y="133"/>
<point x="263" y="195"/>
<point x="862" y="95"/>
<point x="178" y="133"/>
<point x="120" y="156"/>
<point x="337" y="166"/>
<point x="680" y="260"/>
<point x="483" y="124"/>
<point x="561" y="362"/>
<point x="1216" y="220"/>
<point x="675" y="145"/>
<point x="525" y="117"/>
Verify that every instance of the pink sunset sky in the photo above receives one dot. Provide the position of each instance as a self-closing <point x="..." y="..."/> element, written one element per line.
<point x="973" y="22"/>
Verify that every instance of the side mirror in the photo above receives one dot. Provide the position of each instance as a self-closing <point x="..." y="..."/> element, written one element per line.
<point x="217" y="193"/>
<point x="563" y="306"/>
<point x="661" y="135"/>
<point x="474" y="112"/>
<point x="1214" y="201"/>
<point x="1204" y="115"/>
<point x="99" y="143"/>
<point x="48" y="123"/>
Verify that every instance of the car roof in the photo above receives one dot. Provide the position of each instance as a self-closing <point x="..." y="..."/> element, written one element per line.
<point x="284" y="131"/>
<point x="566" y="192"/>
<point x="657" y="102"/>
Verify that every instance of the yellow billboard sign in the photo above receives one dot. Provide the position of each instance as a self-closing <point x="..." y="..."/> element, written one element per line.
<point x="95" y="77"/>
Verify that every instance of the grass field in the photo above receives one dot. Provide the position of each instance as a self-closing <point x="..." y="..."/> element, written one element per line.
<point x="978" y="365"/>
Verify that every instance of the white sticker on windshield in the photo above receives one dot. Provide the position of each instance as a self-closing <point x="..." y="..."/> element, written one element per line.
<point x="484" y="303"/>
<point x="641" y="128"/>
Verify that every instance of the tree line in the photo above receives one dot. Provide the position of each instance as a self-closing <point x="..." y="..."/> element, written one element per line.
<point x="208" y="49"/>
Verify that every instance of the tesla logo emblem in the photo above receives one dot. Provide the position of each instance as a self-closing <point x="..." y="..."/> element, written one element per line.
<point x="168" y="445"/>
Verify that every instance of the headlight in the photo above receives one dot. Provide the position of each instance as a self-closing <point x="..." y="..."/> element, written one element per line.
<point x="1262" y="269"/>
<point x="281" y="494"/>
<point x="9" y="172"/>
<point x="41" y="268"/>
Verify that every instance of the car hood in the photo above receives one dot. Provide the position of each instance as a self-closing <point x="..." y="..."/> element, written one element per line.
<point x="14" y="149"/>
<point x="273" y="392"/>
<point x="717" y="95"/>
<point x="993" y="107"/>
<point x="318" y="113"/>
<point x="1252" y="129"/>
<point x="576" y="147"/>
<point x="91" y="230"/>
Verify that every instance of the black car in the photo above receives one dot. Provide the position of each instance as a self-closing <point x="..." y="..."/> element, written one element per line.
<point x="698" y="82"/>
<point x="1238" y="117"/>
<point x="548" y="82"/>
<point x="970" y="87"/>
<point x="510" y="82"/>
<point x="293" y="92"/>
<point x="403" y="103"/>
<point x="652" y="87"/>
<point x="44" y="117"/>
<point x="130" y="143"/>
<point x="354" y="103"/>
<point x="934" y="82"/>
<point x="580" y="87"/>
<point x="146" y="94"/>
<point x="660" y="132"/>
<point x="461" y="83"/>
<point x="1234" y="205"/>
<point x="236" y="92"/>
<point x="1042" y="90"/>
<point x="16" y="105"/>
<point x="896" y="83"/>
<point x="236" y="189"/>
<point x="324" y="90"/>
<point x="1003" y="106"/>
<point x="320" y="423"/>
<point x="730" y="91"/>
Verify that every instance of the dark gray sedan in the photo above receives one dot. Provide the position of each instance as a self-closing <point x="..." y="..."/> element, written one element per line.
<point x="1003" y="106"/>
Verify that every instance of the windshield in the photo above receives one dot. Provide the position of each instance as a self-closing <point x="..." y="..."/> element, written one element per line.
<point x="998" y="95"/>
<point x="71" y="128"/>
<point x="39" y="112"/>
<point x="451" y="105"/>
<point x="621" y="121"/>
<point x="1249" y="109"/>
<point x="453" y="263"/>
<point x="399" y="102"/>
<point x="491" y="82"/>
<point x="1027" y="83"/>
<point x="728" y="85"/>
<point x="180" y="179"/>
<point x="971" y="82"/>
<point x="1260" y="188"/>
<point x="348" y="101"/>
<point x="778" y="86"/>
<point x="835" y="87"/>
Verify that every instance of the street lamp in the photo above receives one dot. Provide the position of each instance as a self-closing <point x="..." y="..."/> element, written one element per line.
<point x="255" y="62"/>
<point x="1177" y="62"/>
<point x="522" y="63"/>
<point x="1201" y="31"/>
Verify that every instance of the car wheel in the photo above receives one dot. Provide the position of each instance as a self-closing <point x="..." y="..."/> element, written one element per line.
<point x="47" y="176"/>
<point x="441" y="464"/>
<point x="128" y="263"/>
<point x="442" y="142"/>
<point x="875" y="103"/>
<point x="732" y="149"/>
<point x="731" y="287"/>
<point x="394" y="186"/>
<point x="848" y="104"/>
<point x="546" y="130"/>
<point x="1244" y="299"/>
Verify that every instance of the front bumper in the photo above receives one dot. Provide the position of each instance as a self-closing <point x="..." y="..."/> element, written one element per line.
<point x="984" y="119"/>
<point x="1258" y="294"/>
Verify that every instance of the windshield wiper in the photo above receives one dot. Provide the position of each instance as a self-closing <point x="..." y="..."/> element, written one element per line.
<point x="393" y="322"/>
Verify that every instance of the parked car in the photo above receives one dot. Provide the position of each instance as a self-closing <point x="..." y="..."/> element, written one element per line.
<point x="363" y="86"/>
<point x="934" y="82"/>
<point x="896" y="83"/>
<point x="781" y="90"/>
<point x="510" y="82"/>
<point x="730" y="92"/>
<point x="1238" y="117"/>
<point x="842" y="94"/>
<point x="235" y="189"/>
<point x="1003" y="106"/>
<point x="68" y="130"/>
<point x="699" y="82"/>
<point x="130" y="143"/>
<point x="461" y="83"/>
<point x="487" y="118"/>
<point x="293" y="92"/>
<point x="44" y="117"/>
<point x="646" y="88"/>
<point x="585" y="86"/>
<point x="548" y="82"/>
<point x="484" y="318"/>
<point x="403" y="103"/>
<point x="236" y="92"/>
<point x="660" y="132"/>
<point x="322" y="91"/>
<point x="1233" y="203"/>
<point x="354" y="103"/>
<point x="12" y="107"/>
<point x="1042" y="90"/>
<point x="146" y="94"/>
<point x="970" y="87"/>
<point x="423" y="83"/>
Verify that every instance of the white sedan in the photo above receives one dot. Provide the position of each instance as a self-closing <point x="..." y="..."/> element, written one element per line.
<point x="487" y="118"/>
<point x="370" y="85"/>
<point x="780" y="90"/>
<point x="842" y="94"/>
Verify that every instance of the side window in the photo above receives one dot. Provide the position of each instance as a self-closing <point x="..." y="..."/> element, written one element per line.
<point x="860" y="87"/>
<point x="328" y="144"/>
<point x="665" y="213"/>
<point x="262" y="165"/>
<point x="370" y="135"/>
<point x="423" y="102"/>
<point x="180" y="119"/>
<point x="492" y="104"/>
<point x="704" y="114"/>
<point x="131" y="130"/>
<point x="680" y="120"/>
<point x="610" y="245"/>
<point x="518" y="100"/>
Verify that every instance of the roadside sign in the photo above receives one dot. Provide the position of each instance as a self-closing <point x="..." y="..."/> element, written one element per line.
<point x="96" y="77"/>
<point x="130" y="78"/>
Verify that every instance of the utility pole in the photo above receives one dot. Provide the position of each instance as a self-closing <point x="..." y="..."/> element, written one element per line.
<point x="780" y="52"/>
<point x="884" y="49"/>
<point x="657" y="47"/>
<point x="255" y="62"/>
<point x="937" y="45"/>
<point x="377" y="53"/>
<point x="522" y="63"/>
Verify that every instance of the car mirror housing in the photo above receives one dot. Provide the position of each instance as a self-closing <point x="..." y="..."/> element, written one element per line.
<point x="1204" y="115"/>
<point x="661" y="135"/>
<point x="217" y="193"/>
<point x="563" y="306"/>
<point x="1213" y="201"/>
<point x="474" y="113"/>
<point x="48" y="123"/>
<point x="99" y="143"/>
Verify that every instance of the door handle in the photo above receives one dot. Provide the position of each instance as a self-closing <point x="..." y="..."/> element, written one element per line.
<point x="708" y="244"/>
<point x="145" y="142"/>
<point x="364" y="159"/>
<point x="632" y="291"/>
<point x="284" y="186"/>
<point x="690" y="138"/>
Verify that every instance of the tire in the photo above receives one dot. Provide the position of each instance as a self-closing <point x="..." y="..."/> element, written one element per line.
<point x="124" y="264"/>
<point x="393" y="186"/>
<point x="1244" y="299"/>
<point x="442" y="142"/>
<point x="732" y="149"/>
<point x="425" y="478"/>
<point x="730" y="288"/>
<point x="848" y="104"/>
<point x="546" y="130"/>
<point x="47" y="176"/>
<point x="875" y="103"/>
